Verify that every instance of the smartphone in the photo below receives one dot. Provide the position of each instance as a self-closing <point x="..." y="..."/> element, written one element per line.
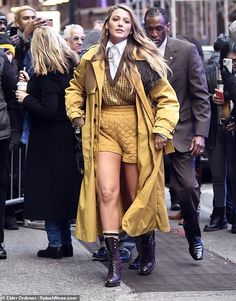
<point x="44" y="22"/>
<point x="41" y="21"/>
<point x="13" y="31"/>
<point x="228" y="63"/>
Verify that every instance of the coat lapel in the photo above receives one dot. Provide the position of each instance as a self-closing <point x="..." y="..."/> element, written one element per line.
<point x="99" y="69"/>
<point x="170" y="52"/>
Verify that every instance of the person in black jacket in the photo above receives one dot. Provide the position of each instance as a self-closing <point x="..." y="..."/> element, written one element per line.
<point x="229" y="79"/>
<point x="228" y="124"/>
<point x="6" y="87"/>
<point x="15" y="112"/>
<point x="51" y="174"/>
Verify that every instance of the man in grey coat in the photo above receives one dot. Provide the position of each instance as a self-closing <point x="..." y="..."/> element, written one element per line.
<point x="189" y="82"/>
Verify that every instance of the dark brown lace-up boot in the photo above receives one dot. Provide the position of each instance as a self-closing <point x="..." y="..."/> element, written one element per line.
<point x="146" y="249"/>
<point x="114" y="271"/>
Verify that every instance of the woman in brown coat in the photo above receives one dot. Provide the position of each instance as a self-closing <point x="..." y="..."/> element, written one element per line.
<point x="122" y="139"/>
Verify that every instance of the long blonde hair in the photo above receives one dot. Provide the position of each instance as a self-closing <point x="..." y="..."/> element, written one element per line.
<point x="136" y="40"/>
<point x="50" y="52"/>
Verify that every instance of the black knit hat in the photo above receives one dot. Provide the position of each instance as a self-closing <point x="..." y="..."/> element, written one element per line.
<point x="3" y="17"/>
<point x="6" y="43"/>
<point x="221" y="40"/>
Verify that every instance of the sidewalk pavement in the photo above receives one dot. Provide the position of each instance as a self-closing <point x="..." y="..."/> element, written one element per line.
<point x="177" y="276"/>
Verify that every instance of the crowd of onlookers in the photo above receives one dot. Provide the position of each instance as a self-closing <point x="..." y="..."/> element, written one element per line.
<point x="16" y="56"/>
<point x="46" y="60"/>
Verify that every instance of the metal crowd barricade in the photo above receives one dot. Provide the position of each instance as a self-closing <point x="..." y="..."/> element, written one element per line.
<point x="16" y="190"/>
<point x="15" y="195"/>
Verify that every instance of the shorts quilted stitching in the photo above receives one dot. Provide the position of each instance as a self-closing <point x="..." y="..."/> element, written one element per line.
<point x="118" y="133"/>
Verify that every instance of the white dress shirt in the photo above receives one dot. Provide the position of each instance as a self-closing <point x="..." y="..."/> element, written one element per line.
<point x="114" y="53"/>
<point x="162" y="48"/>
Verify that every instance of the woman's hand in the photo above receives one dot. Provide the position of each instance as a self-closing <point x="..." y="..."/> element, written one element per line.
<point x="30" y="27"/>
<point x="231" y="126"/>
<point x="79" y="121"/>
<point x="159" y="141"/>
<point x="15" y="40"/>
<point x="20" y="95"/>
<point x="23" y="76"/>
<point x="218" y="97"/>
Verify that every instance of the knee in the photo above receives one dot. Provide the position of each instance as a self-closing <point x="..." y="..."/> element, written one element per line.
<point x="187" y="191"/>
<point x="185" y="188"/>
<point x="108" y="195"/>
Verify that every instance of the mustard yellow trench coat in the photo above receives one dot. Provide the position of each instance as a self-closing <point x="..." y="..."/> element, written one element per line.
<point x="148" y="211"/>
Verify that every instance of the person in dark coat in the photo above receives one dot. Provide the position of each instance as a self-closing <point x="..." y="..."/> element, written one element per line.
<point x="9" y="81"/>
<point x="6" y="85"/>
<point x="51" y="174"/>
<point x="228" y="51"/>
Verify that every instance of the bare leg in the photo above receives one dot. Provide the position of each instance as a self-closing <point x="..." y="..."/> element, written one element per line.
<point x="109" y="189"/>
<point x="131" y="178"/>
<point x="145" y="261"/>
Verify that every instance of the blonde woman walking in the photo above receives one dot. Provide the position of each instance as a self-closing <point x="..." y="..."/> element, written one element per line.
<point x="123" y="138"/>
<point x="51" y="176"/>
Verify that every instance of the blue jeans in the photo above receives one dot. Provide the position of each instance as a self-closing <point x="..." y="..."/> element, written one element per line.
<point x="128" y="242"/>
<point x="58" y="233"/>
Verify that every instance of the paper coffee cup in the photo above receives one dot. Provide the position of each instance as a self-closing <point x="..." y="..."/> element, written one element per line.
<point x="22" y="86"/>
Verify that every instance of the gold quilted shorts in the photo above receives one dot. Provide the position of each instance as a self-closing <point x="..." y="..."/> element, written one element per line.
<point x="118" y="132"/>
